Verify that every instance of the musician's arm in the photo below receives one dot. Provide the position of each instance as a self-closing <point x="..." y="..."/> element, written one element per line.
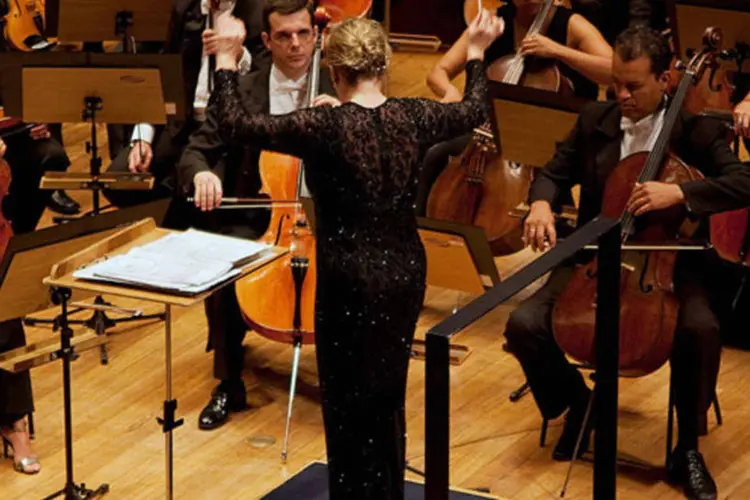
<point x="450" y="65"/>
<point x="727" y="182"/>
<point x="588" y="53"/>
<point x="742" y="117"/>
<point x="561" y="173"/>
<point x="204" y="153"/>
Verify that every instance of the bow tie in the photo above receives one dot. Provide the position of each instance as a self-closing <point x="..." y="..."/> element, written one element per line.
<point x="628" y="125"/>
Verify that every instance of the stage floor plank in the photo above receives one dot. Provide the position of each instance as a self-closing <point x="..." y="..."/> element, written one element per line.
<point x="494" y="442"/>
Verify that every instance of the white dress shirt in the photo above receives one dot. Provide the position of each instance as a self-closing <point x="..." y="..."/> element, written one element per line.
<point x="145" y="131"/>
<point x="641" y="135"/>
<point x="285" y="96"/>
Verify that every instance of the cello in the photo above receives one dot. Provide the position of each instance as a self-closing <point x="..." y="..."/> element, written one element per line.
<point x="648" y="305"/>
<point x="24" y="23"/>
<point x="479" y="187"/>
<point x="278" y="301"/>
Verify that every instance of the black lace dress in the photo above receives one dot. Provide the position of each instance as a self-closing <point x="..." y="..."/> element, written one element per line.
<point x="362" y="170"/>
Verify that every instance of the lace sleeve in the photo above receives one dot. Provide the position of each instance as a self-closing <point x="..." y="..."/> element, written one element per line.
<point x="297" y="134"/>
<point x="441" y="122"/>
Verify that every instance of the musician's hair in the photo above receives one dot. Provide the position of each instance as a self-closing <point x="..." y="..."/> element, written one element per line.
<point x="358" y="48"/>
<point x="640" y="41"/>
<point x="284" y="8"/>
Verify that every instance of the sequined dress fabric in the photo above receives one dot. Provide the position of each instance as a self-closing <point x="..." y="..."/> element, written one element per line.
<point x="361" y="167"/>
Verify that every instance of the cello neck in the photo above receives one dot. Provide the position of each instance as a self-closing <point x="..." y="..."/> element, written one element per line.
<point x="515" y="72"/>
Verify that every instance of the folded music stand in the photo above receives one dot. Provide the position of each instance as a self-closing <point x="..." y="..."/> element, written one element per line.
<point x="26" y="263"/>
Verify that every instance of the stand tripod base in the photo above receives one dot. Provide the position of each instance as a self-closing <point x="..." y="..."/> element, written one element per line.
<point x="75" y="492"/>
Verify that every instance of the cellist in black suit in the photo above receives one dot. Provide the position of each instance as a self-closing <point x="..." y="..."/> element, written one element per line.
<point x="214" y="168"/>
<point x="158" y="149"/>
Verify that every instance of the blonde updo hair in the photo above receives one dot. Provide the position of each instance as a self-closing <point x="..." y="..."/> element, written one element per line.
<point x="358" y="48"/>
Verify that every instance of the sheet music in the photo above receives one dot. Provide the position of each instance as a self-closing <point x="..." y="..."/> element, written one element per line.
<point x="189" y="262"/>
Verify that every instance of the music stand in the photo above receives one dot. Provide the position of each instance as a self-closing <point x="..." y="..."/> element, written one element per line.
<point x="528" y="123"/>
<point x="690" y="18"/>
<point x="26" y="262"/>
<point x="105" y="20"/>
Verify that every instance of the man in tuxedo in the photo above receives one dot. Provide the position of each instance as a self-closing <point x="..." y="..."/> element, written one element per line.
<point x="210" y="169"/>
<point x="605" y="133"/>
<point x="158" y="149"/>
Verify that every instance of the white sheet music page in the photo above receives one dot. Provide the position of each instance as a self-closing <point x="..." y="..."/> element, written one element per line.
<point x="189" y="262"/>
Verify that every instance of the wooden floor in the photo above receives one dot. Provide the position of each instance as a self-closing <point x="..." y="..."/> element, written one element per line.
<point x="495" y="443"/>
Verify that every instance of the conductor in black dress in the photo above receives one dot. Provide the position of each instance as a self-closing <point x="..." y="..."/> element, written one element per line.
<point x="363" y="159"/>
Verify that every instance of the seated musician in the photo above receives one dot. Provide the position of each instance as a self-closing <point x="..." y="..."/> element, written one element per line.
<point x="605" y="133"/>
<point x="158" y="149"/>
<point x="210" y="169"/>
<point x="29" y="154"/>
<point x="585" y="58"/>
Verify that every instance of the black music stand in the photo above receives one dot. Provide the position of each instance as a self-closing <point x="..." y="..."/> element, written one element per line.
<point x="26" y="262"/>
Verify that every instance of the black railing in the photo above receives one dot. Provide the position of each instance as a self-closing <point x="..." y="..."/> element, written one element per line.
<point x="606" y="232"/>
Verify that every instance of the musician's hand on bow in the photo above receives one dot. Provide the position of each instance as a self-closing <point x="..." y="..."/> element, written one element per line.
<point x="227" y="41"/>
<point x="40" y="132"/>
<point x="742" y="118"/>
<point x="651" y="196"/>
<point x="208" y="190"/>
<point x="139" y="159"/>
<point x="540" y="46"/>
<point x="482" y="31"/>
<point x="539" y="227"/>
<point x="3" y="148"/>
<point x="326" y="100"/>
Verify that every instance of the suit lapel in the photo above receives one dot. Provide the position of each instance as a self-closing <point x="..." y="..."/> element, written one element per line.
<point x="611" y="134"/>
<point x="255" y="90"/>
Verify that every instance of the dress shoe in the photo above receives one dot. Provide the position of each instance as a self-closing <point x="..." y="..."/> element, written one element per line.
<point x="61" y="203"/>
<point x="566" y="445"/>
<point x="224" y="400"/>
<point x="689" y="469"/>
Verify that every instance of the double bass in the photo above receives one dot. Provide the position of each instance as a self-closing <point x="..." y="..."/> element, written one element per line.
<point x="648" y="305"/>
<point x="479" y="187"/>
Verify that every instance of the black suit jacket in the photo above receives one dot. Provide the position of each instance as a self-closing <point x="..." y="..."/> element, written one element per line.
<point x="235" y="165"/>
<point x="592" y="151"/>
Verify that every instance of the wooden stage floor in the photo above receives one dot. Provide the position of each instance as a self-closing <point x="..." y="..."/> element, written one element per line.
<point x="495" y="443"/>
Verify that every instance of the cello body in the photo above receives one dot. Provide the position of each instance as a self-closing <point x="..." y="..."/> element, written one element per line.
<point x="481" y="188"/>
<point x="648" y="305"/>
<point x="268" y="297"/>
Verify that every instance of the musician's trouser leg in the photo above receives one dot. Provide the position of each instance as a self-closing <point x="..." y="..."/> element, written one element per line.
<point x="16" y="399"/>
<point x="696" y="355"/>
<point x="554" y="382"/>
<point x="28" y="160"/>
<point x="226" y="329"/>
<point x="434" y="163"/>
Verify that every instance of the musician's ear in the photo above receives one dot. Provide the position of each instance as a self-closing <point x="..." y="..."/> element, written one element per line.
<point x="266" y="40"/>
<point x="665" y="79"/>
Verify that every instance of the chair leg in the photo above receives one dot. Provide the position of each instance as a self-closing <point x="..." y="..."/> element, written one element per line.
<point x="292" y="390"/>
<point x="670" y="428"/>
<point x="31" y="425"/>
<point x="543" y="433"/>
<point x="578" y="443"/>
<point x="717" y="410"/>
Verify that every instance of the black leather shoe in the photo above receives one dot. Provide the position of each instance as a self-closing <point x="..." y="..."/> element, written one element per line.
<point x="689" y="469"/>
<point x="61" y="203"/>
<point x="223" y="402"/>
<point x="566" y="445"/>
